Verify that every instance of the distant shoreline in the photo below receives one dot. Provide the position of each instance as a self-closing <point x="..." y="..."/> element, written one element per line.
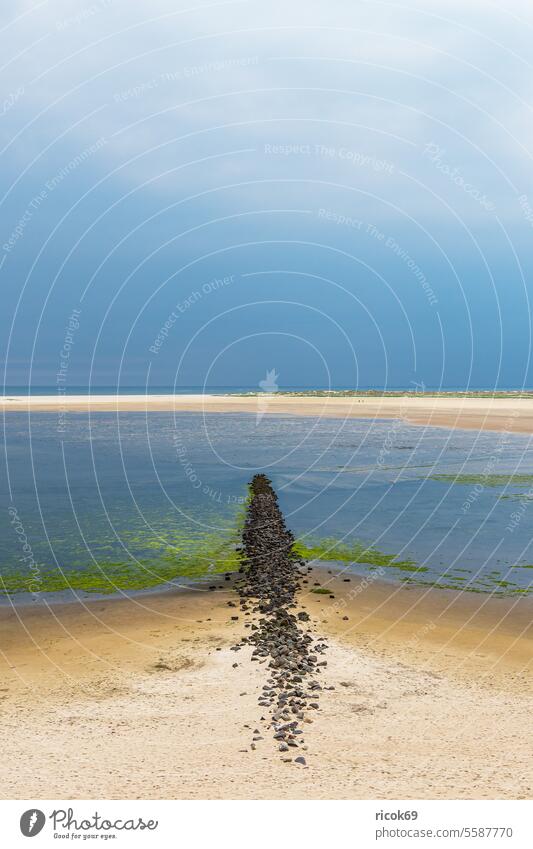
<point x="245" y="391"/>
<point x="511" y="412"/>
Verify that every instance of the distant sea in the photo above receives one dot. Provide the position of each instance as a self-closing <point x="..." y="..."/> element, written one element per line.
<point x="224" y="390"/>
<point x="129" y="390"/>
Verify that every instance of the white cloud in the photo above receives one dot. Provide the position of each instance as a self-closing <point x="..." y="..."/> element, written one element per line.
<point x="155" y="74"/>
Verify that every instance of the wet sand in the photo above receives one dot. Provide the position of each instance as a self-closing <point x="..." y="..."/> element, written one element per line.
<point x="513" y="415"/>
<point x="138" y="698"/>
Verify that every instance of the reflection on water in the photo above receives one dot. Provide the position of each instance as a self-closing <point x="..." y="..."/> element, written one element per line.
<point x="141" y="499"/>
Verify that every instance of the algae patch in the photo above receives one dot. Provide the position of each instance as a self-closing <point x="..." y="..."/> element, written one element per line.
<point x="408" y="571"/>
<point x="355" y="552"/>
<point x="485" y="480"/>
<point x="162" y="559"/>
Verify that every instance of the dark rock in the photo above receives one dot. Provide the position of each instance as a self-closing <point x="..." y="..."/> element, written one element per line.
<point x="271" y="578"/>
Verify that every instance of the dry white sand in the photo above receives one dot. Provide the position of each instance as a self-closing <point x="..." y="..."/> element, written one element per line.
<point x="509" y="414"/>
<point x="139" y="699"/>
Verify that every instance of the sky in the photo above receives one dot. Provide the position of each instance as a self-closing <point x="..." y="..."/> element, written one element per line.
<point x="201" y="193"/>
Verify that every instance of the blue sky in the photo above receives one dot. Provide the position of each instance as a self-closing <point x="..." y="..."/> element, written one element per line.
<point x="342" y="192"/>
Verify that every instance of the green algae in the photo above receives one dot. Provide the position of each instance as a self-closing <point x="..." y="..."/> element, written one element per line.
<point x="164" y="557"/>
<point x="499" y="588"/>
<point x="486" y="480"/>
<point x="107" y="576"/>
<point x="355" y="552"/>
<point x="392" y="393"/>
<point x="331" y="550"/>
<point x="365" y="470"/>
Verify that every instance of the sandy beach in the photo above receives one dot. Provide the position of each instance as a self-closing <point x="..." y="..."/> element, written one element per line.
<point x="513" y="415"/>
<point x="140" y="698"/>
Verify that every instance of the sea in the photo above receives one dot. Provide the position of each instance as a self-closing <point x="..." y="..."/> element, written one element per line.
<point x="129" y="501"/>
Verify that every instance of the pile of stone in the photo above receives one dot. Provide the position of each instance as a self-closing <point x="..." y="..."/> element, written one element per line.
<point x="280" y="636"/>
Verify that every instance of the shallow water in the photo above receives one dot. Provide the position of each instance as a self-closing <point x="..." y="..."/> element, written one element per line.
<point x="163" y="495"/>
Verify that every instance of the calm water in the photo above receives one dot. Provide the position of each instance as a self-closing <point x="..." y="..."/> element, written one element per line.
<point x="126" y="488"/>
